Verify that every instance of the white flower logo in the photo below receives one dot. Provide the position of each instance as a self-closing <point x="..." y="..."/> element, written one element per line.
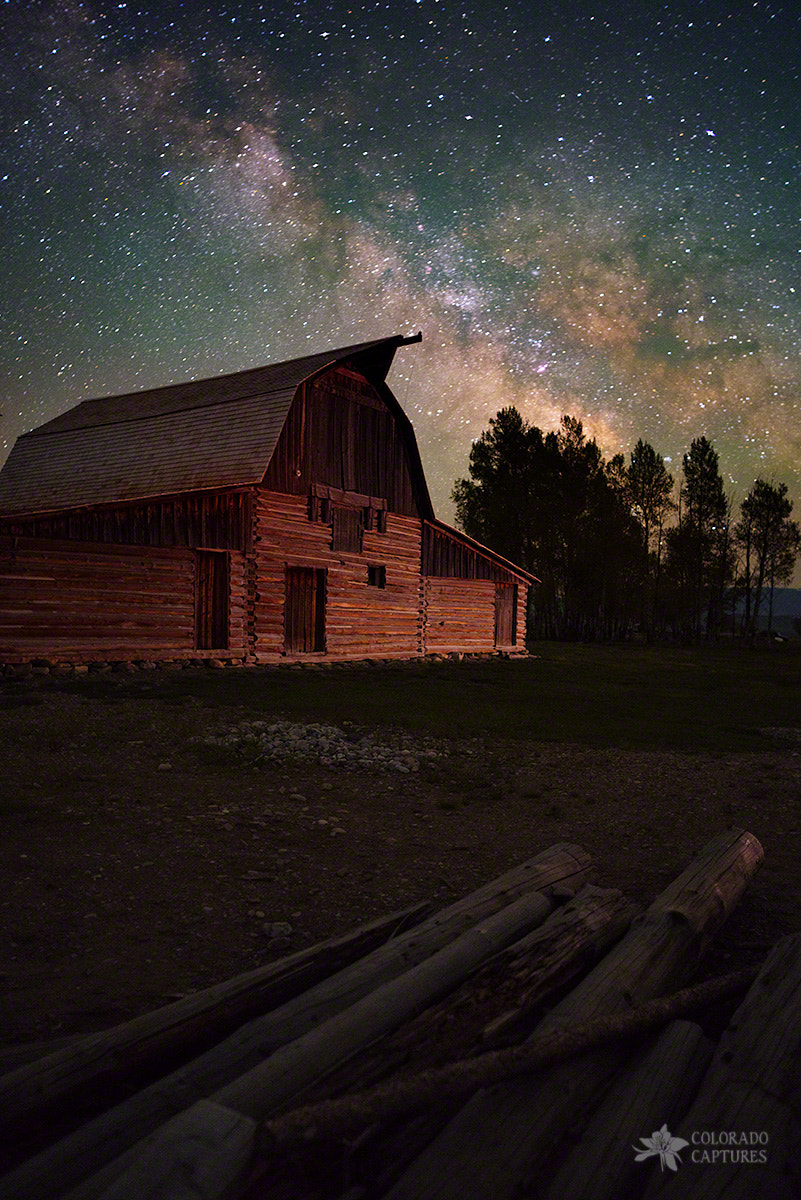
<point x="660" y="1142"/>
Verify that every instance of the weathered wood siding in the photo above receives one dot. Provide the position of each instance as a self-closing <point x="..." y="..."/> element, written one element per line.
<point x="458" y="615"/>
<point x="82" y="601"/>
<point x="520" y="616"/>
<point x="360" y="619"/>
<point x="216" y="520"/>
<point x="340" y="432"/>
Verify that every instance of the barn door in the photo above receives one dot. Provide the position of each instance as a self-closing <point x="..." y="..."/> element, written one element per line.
<point x="304" y="610"/>
<point x="505" y="614"/>
<point x="211" y="600"/>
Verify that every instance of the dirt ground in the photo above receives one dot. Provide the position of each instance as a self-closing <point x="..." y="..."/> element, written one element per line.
<point x="139" y="864"/>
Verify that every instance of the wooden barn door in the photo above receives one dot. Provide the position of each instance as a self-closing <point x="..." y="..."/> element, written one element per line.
<point x="211" y="600"/>
<point x="505" y="614"/>
<point x="304" y="610"/>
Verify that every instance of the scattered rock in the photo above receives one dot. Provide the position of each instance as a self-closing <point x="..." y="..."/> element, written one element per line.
<point x="276" y="929"/>
<point x="328" y="745"/>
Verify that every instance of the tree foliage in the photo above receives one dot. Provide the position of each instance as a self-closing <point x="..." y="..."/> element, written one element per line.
<point x="613" y="549"/>
<point x="551" y="503"/>
<point x="769" y="543"/>
<point x="700" y="553"/>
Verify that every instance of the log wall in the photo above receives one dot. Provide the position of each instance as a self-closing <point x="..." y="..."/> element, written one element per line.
<point x="360" y="619"/>
<point x="82" y="601"/>
<point x="215" y="520"/>
<point x="458" y="615"/>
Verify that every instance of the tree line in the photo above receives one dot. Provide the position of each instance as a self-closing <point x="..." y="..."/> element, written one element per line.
<point x="617" y="546"/>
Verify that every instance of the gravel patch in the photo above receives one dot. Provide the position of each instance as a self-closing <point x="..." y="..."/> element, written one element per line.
<point x="327" y="745"/>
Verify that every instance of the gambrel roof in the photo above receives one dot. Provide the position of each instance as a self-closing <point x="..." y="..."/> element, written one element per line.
<point x="199" y="435"/>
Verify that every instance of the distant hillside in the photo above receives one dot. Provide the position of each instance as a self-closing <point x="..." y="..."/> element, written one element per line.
<point x="786" y="602"/>
<point x="786" y="610"/>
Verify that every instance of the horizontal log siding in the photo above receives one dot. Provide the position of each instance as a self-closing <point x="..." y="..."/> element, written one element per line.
<point x="215" y="520"/>
<point x="522" y="609"/>
<point x="361" y="620"/>
<point x="82" y="601"/>
<point x="458" y="616"/>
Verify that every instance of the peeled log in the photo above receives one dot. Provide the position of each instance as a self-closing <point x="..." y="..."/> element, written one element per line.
<point x="655" y="1089"/>
<point x="73" y="1159"/>
<point x="226" y="1138"/>
<point x="561" y="949"/>
<point x="752" y="1085"/>
<point x="401" y="1095"/>
<point x="101" y="1066"/>
<point x="286" y="1072"/>
<point x="500" y="1138"/>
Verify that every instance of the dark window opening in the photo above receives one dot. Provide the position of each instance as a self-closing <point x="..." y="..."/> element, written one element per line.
<point x="377" y="576"/>
<point x="211" y="600"/>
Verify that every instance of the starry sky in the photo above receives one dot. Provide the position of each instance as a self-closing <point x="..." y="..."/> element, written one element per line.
<point x="586" y="208"/>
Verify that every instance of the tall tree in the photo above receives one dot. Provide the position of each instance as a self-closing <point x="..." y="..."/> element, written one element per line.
<point x="496" y="504"/>
<point x="768" y="539"/>
<point x="552" y="503"/>
<point x="700" y="546"/>
<point x="650" y="491"/>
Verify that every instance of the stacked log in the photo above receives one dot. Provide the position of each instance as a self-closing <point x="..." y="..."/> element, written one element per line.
<point x="745" y="1123"/>
<point x="388" y="1057"/>
<point x="555" y="873"/>
<point x="501" y="1139"/>
<point x="97" y="1070"/>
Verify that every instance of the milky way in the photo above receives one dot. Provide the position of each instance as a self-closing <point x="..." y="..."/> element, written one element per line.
<point x="583" y="210"/>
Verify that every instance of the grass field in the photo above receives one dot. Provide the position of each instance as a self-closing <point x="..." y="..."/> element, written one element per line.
<point x="636" y="697"/>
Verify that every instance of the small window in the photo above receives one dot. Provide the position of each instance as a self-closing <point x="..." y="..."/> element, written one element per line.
<point x="377" y="576"/>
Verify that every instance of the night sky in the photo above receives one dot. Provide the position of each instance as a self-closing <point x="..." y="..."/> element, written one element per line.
<point x="584" y="209"/>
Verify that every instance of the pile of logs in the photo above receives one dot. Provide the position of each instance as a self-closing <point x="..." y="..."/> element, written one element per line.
<point x="527" y="1040"/>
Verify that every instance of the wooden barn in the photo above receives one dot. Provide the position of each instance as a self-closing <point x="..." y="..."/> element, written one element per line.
<point x="277" y="513"/>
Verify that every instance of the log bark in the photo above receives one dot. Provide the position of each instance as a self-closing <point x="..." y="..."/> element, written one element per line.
<point x="530" y="972"/>
<point x="752" y="1086"/>
<point x="562" y="868"/>
<point x="286" y="1072"/>
<point x="499" y="1140"/>
<point x="565" y="947"/>
<point x="656" y="1089"/>
<point x="347" y="1115"/>
<point x="102" y="1066"/>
